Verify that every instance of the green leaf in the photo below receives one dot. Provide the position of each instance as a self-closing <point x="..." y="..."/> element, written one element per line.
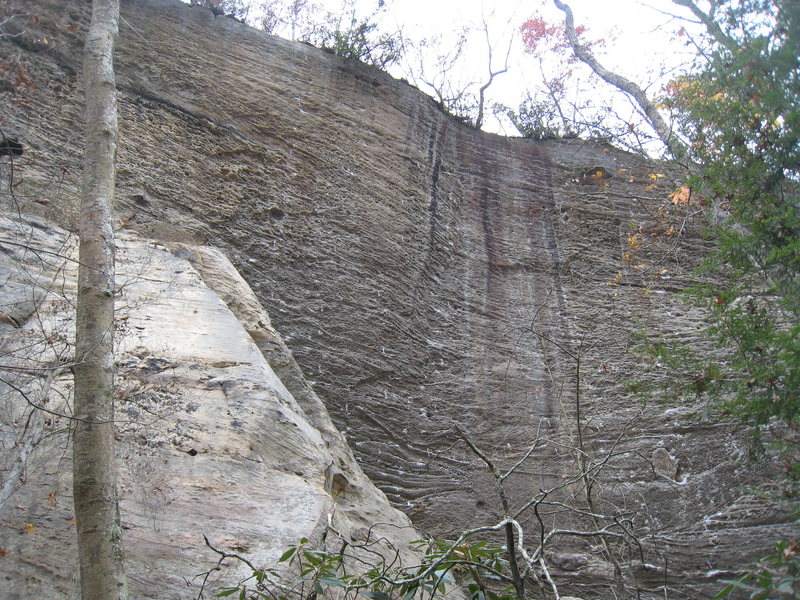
<point x="728" y="589"/>
<point x="287" y="555"/>
<point x="410" y="591"/>
<point x="226" y="592"/>
<point x="444" y="575"/>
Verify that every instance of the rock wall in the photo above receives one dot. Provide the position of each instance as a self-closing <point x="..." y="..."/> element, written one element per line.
<point x="210" y="442"/>
<point x="424" y="275"/>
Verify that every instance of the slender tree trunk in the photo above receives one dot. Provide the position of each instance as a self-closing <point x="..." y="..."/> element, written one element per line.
<point x="94" y="470"/>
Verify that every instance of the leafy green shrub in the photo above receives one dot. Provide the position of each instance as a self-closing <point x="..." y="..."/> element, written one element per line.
<point x="739" y="109"/>
<point x="774" y="577"/>
<point x="361" y="41"/>
<point x="478" y="567"/>
<point x="360" y="38"/>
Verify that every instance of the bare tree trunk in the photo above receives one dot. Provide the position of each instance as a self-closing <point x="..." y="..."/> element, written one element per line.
<point x="94" y="470"/>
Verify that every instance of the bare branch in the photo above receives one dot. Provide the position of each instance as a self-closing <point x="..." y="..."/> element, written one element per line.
<point x="511" y="546"/>
<point x="527" y="455"/>
<point x="713" y="28"/>
<point x="492" y="73"/>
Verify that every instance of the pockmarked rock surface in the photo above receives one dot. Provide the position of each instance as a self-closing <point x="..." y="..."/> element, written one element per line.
<point x="424" y="275"/>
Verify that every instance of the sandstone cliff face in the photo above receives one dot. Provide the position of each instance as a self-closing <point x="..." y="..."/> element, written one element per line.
<point x="423" y="274"/>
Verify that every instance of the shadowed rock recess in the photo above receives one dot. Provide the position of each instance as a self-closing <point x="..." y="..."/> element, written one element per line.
<point x="421" y="275"/>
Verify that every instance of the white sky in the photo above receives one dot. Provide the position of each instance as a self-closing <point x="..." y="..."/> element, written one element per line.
<point x="640" y="39"/>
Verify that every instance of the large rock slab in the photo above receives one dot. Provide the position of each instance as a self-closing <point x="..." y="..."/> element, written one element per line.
<point x="210" y="441"/>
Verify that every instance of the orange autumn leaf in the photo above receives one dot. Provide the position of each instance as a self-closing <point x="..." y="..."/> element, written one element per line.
<point x="681" y="195"/>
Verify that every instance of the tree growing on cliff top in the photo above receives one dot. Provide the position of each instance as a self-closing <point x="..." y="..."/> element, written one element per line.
<point x="558" y="110"/>
<point x="237" y="9"/>
<point x="345" y="32"/>
<point x="567" y="103"/>
<point x="437" y="65"/>
<point x="352" y="36"/>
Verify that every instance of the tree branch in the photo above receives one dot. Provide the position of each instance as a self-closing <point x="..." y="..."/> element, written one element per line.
<point x="511" y="544"/>
<point x="710" y="24"/>
<point x="662" y="129"/>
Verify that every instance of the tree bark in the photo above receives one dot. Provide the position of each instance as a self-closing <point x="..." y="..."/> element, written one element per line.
<point x="94" y="471"/>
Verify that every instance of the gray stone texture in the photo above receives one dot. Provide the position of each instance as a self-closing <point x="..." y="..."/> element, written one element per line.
<point x="422" y="274"/>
